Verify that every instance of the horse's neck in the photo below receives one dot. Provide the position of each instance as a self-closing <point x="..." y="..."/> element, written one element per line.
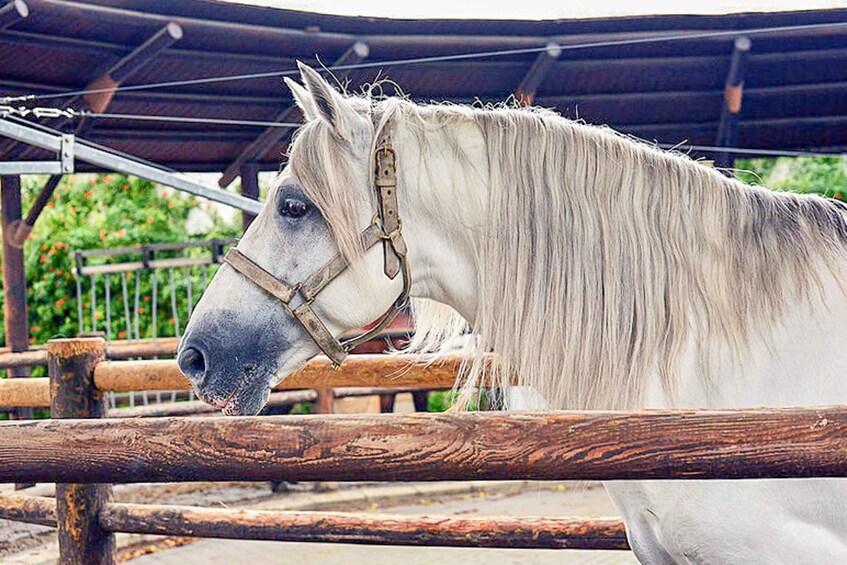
<point x="442" y="205"/>
<point x="801" y="362"/>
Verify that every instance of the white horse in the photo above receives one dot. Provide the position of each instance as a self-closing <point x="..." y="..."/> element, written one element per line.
<point x="607" y="273"/>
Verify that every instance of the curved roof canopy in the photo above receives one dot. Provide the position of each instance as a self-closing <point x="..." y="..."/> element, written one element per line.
<point x="794" y="97"/>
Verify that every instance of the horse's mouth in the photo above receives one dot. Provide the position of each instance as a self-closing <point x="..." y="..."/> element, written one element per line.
<point x="249" y="395"/>
<point x="247" y="401"/>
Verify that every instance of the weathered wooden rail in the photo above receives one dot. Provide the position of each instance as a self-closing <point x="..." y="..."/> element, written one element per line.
<point x="124" y="349"/>
<point x="84" y="453"/>
<point x="730" y="444"/>
<point x="341" y="527"/>
<point x="366" y="371"/>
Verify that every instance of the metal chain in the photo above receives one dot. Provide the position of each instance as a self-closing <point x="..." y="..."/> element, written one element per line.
<point x="7" y="111"/>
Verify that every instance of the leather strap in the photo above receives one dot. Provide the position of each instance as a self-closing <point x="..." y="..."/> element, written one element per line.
<point x="385" y="179"/>
<point x="258" y="275"/>
<point x="388" y="230"/>
<point x="335" y="266"/>
<point x="320" y="334"/>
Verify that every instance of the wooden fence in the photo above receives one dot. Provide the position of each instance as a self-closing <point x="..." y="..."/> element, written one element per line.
<point x="84" y="453"/>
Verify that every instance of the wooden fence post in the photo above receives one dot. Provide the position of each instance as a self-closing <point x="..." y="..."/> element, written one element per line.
<point x="71" y="365"/>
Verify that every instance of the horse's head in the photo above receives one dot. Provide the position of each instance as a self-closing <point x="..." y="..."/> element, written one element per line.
<point x="286" y="294"/>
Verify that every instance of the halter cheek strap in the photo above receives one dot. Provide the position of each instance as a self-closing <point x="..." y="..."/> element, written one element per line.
<point x="386" y="227"/>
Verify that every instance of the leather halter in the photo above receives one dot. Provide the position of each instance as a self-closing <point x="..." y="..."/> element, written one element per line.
<point x="385" y="227"/>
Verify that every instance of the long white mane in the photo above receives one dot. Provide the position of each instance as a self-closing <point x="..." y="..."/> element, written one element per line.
<point x="603" y="256"/>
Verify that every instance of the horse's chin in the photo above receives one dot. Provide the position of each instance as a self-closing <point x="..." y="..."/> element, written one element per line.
<point x="247" y="401"/>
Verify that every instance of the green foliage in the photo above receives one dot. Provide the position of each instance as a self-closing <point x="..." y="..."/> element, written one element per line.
<point x="442" y="400"/>
<point x="102" y="211"/>
<point x="819" y="175"/>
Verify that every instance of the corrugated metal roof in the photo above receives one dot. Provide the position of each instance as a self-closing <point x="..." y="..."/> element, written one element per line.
<point x="795" y="83"/>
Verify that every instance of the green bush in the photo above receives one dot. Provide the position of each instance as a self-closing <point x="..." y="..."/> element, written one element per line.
<point x="819" y="175"/>
<point x="101" y="211"/>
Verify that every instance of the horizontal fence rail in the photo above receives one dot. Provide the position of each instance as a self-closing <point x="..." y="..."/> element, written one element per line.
<point x="678" y="444"/>
<point x="529" y="532"/>
<point x="405" y="371"/>
<point x="123" y="349"/>
<point x="367" y="371"/>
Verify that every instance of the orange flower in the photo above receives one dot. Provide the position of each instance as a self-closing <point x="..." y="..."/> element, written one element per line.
<point x="32" y="340"/>
<point x="60" y="273"/>
<point x="171" y="204"/>
<point x="121" y="335"/>
<point x="89" y="194"/>
<point x="108" y="178"/>
<point x="173" y="320"/>
<point x="838" y="195"/>
<point x="60" y="303"/>
<point x="147" y="298"/>
<point x="91" y="182"/>
<point x="150" y="219"/>
<point x="141" y="310"/>
<point x="125" y="187"/>
<point x="34" y="329"/>
<point x="43" y="259"/>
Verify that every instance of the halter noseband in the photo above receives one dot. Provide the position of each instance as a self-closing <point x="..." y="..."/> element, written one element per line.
<point x="386" y="227"/>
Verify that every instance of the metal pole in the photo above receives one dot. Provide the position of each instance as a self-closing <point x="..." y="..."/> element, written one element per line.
<point x="71" y="364"/>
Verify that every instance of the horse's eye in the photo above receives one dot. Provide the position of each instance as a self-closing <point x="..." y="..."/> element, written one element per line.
<point x="293" y="208"/>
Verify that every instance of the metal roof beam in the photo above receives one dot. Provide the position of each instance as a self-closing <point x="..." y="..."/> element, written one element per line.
<point x="98" y="102"/>
<point x="12" y="13"/>
<point x="117" y="73"/>
<point x="109" y="160"/>
<point x="525" y="92"/>
<point x="356" y="53"/>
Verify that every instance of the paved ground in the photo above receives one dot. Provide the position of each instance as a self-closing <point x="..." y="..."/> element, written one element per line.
<point x="538" y="500"/>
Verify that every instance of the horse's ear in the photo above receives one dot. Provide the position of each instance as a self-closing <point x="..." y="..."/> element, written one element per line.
<point x="330" y="104"/>
<point x="303" y="100"/>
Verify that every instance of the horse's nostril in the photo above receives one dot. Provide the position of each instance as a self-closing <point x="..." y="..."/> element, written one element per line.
<point x="193" y="364"/>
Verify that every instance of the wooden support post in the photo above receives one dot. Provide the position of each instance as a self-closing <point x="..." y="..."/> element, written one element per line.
<point x="128" y="65"/>
<point x="250" y="189"/>
<point x="727" y="135"/>
<point x="23" y="228"/>
<point x="421" y="400"/>
<point x="525" y="92"/>
<point x="12" y="13"/>
<point x="324" y="401"/>
<point x="386" y="403"/>
<point x="71" y="365"/>
<point x="14" y="280"/>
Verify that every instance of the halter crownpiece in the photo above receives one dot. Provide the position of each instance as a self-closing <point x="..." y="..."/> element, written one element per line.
<point x="386" y="227"/>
